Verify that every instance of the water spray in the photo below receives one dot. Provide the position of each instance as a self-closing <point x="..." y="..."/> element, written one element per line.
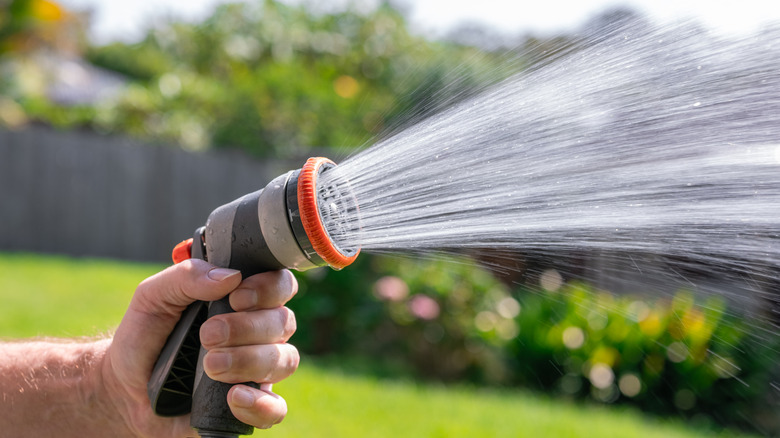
<point x="295" y="222"/>
<point x="656" y="142"/>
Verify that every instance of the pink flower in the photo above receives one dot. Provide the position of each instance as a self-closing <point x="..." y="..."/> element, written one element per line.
<point x="391" y="289"/>
<point x="424" y="307"/>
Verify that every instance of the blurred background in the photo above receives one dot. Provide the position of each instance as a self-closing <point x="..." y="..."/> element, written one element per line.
<point x="123" y="124"/>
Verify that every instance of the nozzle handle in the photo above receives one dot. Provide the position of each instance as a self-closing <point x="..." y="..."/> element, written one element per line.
<point x="210" y="411"/>
<point x="173" y="377"/>
<point x="178" y="384"/>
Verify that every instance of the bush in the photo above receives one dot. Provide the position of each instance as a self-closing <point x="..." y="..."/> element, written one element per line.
<point x="670" y="355"/>
<point x="416" y="314"/>
<point x="450" y="320"/>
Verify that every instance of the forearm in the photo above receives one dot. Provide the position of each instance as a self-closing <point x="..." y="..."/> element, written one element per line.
<point x="52" y="388"/>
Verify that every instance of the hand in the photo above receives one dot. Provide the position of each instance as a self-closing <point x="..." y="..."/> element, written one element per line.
<point x="249" y="345"/>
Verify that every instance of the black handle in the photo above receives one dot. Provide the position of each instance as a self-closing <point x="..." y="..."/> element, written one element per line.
<point x="210" y="411"/>
<point x="173" y="377"/>
<point x="172" y="382"/>
<point x="179" y="385"/>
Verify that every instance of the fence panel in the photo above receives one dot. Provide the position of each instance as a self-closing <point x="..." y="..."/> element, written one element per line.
<point x="85" y="194"/>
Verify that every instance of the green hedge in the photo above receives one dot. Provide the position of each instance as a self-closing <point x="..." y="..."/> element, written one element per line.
<point x="449" y="319"/>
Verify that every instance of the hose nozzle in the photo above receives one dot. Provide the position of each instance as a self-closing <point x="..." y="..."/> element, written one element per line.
<point x="295" y="222"/>
<point x="326" y="212"/>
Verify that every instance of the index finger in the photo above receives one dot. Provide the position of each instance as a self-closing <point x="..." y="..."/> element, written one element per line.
<point x="267" y="290"/>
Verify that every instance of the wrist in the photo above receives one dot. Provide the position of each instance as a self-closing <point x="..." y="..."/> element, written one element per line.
<point x="102" y="397"/>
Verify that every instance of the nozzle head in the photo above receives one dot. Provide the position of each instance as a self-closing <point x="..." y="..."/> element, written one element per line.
<point x="326" y="212"/>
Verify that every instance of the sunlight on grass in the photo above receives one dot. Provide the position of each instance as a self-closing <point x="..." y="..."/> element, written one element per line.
<point x="324" y="402"/>
<point x="60" y="296"/>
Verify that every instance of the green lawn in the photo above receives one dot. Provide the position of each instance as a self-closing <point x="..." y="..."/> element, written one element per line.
<point x="58" y="296"/>
<point x="326" y="403"/>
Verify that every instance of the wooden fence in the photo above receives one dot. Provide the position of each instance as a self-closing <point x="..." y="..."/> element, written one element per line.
<point x="84" y="194"/>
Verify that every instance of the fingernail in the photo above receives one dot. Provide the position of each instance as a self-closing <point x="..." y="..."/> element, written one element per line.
<point x="219" y="274"/>
<point x="243" y="397"/>
<point x="242" y="299"/>
<point x="217" y="362"/>
<point x="214" y="332"/>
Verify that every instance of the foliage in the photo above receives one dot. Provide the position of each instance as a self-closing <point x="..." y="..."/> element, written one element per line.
<point x="671" y="355"/>
<point x="276" y="79"/>
<point x="28" y="29"/>
<point x="416" y="314"/>
<point x="265" y="76"/>
<point x="22" y="22"/>
<point x="451" y="320"/>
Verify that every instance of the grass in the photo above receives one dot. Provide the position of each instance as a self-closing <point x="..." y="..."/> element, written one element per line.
<point x="324" y="402"/>
<point x="58" y="296"/>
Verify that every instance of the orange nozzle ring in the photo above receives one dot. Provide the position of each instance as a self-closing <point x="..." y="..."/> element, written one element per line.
<point x="311" y="219"/>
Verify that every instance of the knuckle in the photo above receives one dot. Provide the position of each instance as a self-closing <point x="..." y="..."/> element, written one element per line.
<point x="274" y="326"/>
<point x="273" y="411"/>
<point x="289" y="324"/>
<point x="292" y="287"/>
<point x="294" y="359"/>
<point x="273" y="356"/>
<point x="191" y="269"/>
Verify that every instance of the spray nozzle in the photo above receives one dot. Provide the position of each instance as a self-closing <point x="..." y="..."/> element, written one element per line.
<point x="327" y="212"/>
<point x="298" y="221"/>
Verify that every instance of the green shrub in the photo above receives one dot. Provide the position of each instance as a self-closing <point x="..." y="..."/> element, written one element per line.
<point x="416" y="314"/>
<point x="449" y="319"/>
<point x="669" y="355"/>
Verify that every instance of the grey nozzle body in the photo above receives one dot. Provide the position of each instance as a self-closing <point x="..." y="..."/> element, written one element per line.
<point x="254" y="233"/>
<point x="276" y="218"/>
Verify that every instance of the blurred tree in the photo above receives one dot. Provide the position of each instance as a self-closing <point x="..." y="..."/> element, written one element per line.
<point x="31" y="33"/>
<point x="27" y="25"/>
<point x="277" y="79"/>
<point x="269" y="77"/>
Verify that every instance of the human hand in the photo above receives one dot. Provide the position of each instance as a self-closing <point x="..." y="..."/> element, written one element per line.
<point x="248" y="345"/>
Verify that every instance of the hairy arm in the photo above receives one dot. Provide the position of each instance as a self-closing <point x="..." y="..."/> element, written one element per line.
<point x="54" y="388"/>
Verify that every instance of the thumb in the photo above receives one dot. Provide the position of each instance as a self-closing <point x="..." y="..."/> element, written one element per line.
<point x="154" y="310"/>
<point x="170" y="291"/>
